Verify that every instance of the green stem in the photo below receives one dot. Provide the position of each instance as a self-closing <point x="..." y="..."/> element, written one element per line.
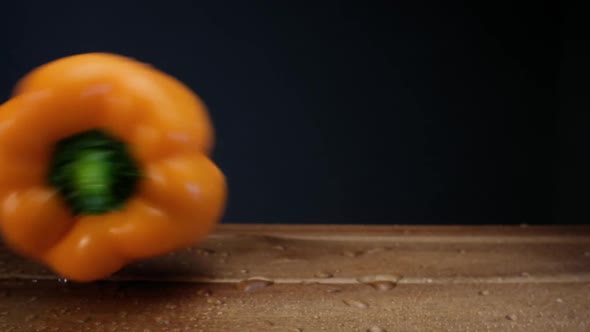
<point x="94" y="172"/>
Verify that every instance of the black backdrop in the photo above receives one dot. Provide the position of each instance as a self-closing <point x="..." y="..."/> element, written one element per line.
<point x="382" y="112"/>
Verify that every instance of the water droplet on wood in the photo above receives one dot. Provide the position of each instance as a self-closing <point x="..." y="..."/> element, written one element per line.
<point x="356" y="304"/>
<point x="253" y="284"/>
<point x="383" y="285"/>
<point x="511" y="317"/>
<point x="288" y="260"/>
<point x="381" y="282"/>
<point x="334" y="290"/>
<point x="484" y="292"/>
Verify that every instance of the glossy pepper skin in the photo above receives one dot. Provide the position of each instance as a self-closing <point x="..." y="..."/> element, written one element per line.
<point x="181" y="193"/>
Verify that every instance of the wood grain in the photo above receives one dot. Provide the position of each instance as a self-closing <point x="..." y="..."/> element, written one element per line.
<point x="324" y="278"/>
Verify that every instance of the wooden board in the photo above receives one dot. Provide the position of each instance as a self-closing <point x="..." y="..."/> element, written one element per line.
<point x="324" y="278"/>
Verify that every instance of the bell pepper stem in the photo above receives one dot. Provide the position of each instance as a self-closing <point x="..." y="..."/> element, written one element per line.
<point x="94" y="172"/>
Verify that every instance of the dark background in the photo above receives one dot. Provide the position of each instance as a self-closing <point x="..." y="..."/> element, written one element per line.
<point x="337" y="112"/>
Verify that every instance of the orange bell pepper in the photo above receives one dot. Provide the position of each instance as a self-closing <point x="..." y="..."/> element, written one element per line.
<point x="105" y="160"/>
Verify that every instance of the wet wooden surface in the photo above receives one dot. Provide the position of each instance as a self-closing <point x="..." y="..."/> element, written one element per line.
<point x="324" y="278"/>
